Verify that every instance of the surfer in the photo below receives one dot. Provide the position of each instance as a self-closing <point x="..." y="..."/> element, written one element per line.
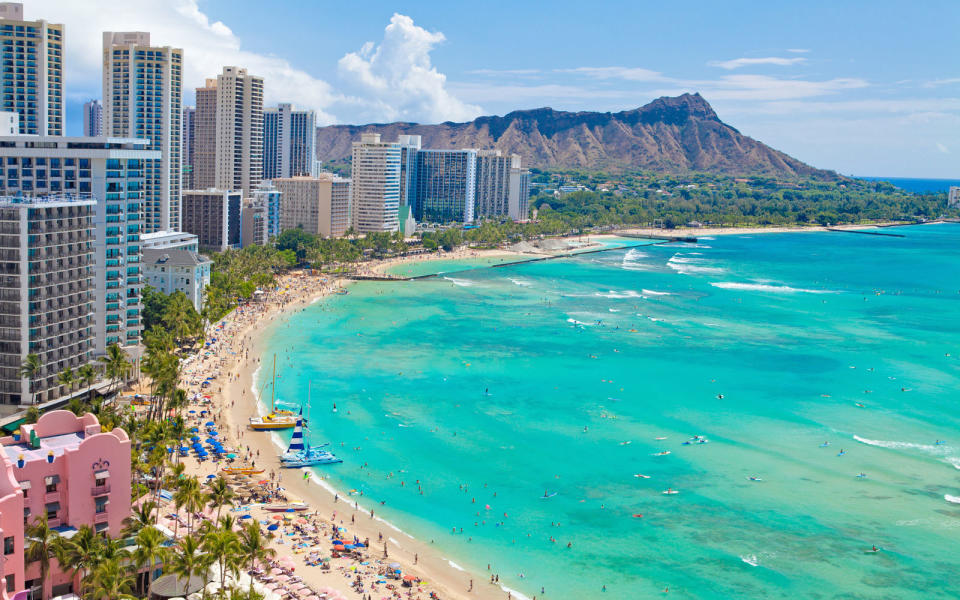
<point x="842" y="452"/>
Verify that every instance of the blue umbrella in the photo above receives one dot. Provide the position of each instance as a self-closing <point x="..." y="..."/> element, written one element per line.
<point x="214" y="433"/>
<point x="184" y="449"/>
<point x="169" y="450"/>
<point x="211" y="424"/>
<point x="194" y="438"/>
<point x="194" y="430"/>
<point x="273" y="527"/>
<point x="191" y="412"/>
<point x="245" y="517"/>
<point x="291" y="510"/>
<point x="211" y="476"/>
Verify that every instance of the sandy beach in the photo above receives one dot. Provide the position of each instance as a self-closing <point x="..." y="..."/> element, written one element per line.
<point x="710" y="231"/>
<point x="233" y="360"/>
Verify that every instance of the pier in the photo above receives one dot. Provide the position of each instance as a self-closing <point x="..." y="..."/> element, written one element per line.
<point x="861" y="232"/>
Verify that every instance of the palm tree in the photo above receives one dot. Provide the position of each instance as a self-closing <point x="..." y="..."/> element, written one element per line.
<point x="150" y="550"/>
<point x="87" y="375"/>
<point x="115" y="363"/>
<point x="254" y="546"/>
<point x="188" y="560"/>
<point x="67" y="378"/>
<point x="220" y="494"/>
<point x="111" y="581"/>
<point x="80" y="553"/>
<point x="29" y="370"/>
<point x="32" y="415"/>
<point x="140" y="518"/>
<point x="42" y="541"/>
<point x="223" y="547"/>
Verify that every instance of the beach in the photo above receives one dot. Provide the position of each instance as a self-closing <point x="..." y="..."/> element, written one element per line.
<point x="235" y="359"/>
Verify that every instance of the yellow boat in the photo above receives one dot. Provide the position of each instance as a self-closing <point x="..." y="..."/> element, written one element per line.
<point x="277" y="419"/>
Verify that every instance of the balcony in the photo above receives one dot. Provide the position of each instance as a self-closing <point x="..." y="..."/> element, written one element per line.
<point x="101" y="517"/>
<point x="51" y="497"/>
<point x="99" y="490"/>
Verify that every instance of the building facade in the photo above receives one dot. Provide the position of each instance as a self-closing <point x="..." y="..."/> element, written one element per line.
<point x="229" y="132"/>
<point x="66" y="468"/>
<point x="214" y="217"/>
<point x="318" y="205"/>
<point x="177" y="270"/>
<point x="110" y="170"/>
<point x="493" y="184"/>
<point x="289" y="142"/>
<point x="188" y="147"/>
<point x="445" y="188"/>
<point x="9" y="123"/>
<point x="32" y="84"/>
<point x="953" y="196"/>
<point x="519" y="209"/>
<point x="92" y="119"/>
<point x="268" y="195"/>
<point x="46" y="292"/>
<point x="253" y="223"/>
<point x="409" y="146"/>
<point x="142" y="91"/>
<point x="375" y="192"/>
<point x="170" y="239"/>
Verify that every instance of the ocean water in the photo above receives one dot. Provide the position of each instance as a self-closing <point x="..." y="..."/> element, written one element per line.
<point x="462" y="400"/>
<point x="919" y="186"/>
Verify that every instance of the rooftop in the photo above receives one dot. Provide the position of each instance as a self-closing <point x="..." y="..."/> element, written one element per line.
<point x="173" y="257"/>
<point x="58" y="444"/>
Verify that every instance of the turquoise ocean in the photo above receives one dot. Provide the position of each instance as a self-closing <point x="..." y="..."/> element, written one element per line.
<point x="461" y="400"/>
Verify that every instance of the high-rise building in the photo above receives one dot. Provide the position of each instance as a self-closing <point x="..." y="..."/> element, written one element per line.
<point x="253" y="223"/>
<point x="445" y="188"/>
<point x="493" y="184"/>
<point x="142" y="95"/>
<point x="188" y="146"/>
<point x="110" y="170"/>
<point x="409" y="146"/>
<point x="289" y="142"/>
<point x="318" y="205"/>
<point x="32" y="84"/>
<point x="9" y="123"/>
<point x="519" y="208"/>
<point x="953" y="196"/>
<point x="268" y="195"/>
<point x="92" y="119"/>
<point x="46" y="292"/>
<point x="214" y="217"/>
<point x="375" y="192"/>
<point x="229" y="132"/>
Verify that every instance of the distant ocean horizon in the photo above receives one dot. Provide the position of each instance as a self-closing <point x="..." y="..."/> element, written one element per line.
<point x="918" y="186"/>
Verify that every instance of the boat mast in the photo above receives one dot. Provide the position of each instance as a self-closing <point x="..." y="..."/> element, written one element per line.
<point x="273" y="387"/>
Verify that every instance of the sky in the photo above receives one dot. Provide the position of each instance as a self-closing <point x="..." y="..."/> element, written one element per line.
<point x="864" y="87"/>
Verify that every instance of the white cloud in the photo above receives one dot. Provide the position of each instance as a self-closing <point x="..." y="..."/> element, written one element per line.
<point x="519" y="72"/>
<point x="939" y="82"/>
<point x="210" y="45"/>
<point x="624" y="73"/>
<point x="736" y="63"/>
<point x="942" y="148"/>
<point x="798" y="50"/>
<point x="397" y="79"/>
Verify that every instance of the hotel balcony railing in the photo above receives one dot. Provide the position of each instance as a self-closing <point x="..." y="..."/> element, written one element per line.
<point x="51" y="497"/>
<point x="99" y="490"/>
<point x="101" y="517"/>
<point x="54" y="523"/>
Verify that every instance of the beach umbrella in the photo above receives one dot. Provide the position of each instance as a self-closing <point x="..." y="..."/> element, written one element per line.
<point x="210" y="424"/>
<point x="273" y="527"/>
<point x="409" y="578"/>
<point x="394" y="565"/>
<point x="231" y="455"/>
<point x="339" y="547"/>
<point x="291" y="510"/>
<point x="246" y="517"/>
<point x="195" y="438"/>
<point x="214" y="433"/>
<point x="194" y="430"/>
<point x="263" y="482"/>
<point x="191" y="412"/>
<point x="276" y="517"/>
<point x="169" y="450"/>
<point x="211" y="476"/>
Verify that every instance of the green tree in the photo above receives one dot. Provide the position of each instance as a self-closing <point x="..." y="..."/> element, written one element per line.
<point x="150" y="550"/>
<point x="29" y="370"/>
<point x="87" y="375"/>
<point x="223" y="547"/>
<point x="254" y="546"/>
<point x="220" y="495"/>
<point x="116" y="365"/>
<point x="111" y="580"/>
<point x="41" y="544"/>
<point x="189" y="559"/>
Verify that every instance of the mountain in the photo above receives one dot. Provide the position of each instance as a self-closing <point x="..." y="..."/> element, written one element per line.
<point x="671" y="134"/>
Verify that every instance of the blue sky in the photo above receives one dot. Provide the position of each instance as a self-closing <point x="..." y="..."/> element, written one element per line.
<point x="866" y="88"/>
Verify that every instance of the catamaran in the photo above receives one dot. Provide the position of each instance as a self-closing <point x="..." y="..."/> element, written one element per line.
<point x="277" y="419"/>
<point x="300" y="454"/>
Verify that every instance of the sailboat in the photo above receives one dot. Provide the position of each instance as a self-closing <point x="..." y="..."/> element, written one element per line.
<point x="276" y="419"/>
<point x="300" y="454"/>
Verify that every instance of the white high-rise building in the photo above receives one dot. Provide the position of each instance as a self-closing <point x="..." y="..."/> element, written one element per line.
<point x="32" y="83"/>
<point x="92" y="119"/>
<point x="189" y="146"/>
<point x="142" y="95"/>
<point x="289" y="142"/>
<point x="519" y="205"/>
<point x="375" y="193"/>
<point x="111" y="171"/>
<point x="229" y="132"/>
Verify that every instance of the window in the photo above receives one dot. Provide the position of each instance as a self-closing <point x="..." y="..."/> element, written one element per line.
<point x="52" y="509"/>
<point x="11" y="583"/>
<point x="8" y="545"/>
<point x="52" y="481"/>
<point x="101" y="503"/>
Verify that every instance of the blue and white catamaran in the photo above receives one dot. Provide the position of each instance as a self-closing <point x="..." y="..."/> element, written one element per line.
<point x="300" y="454"/>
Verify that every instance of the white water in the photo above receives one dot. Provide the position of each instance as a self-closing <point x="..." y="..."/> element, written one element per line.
<point x="459" y="282"/>
<point x="762" y="287"/>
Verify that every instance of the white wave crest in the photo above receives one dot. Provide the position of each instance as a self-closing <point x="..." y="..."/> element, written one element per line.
<point x="762" y="287"/>
<point x="616" y="294"/>
<point x="686" y="265"/>
<point x="634" y="254"/>
<point x="654" y="293"/>
<point x="520" y="282"/>
<point x="455" y="566"/>
<point x="459" y="282"/>
<point x="939" y="450"/>
<point x="952" y="499"/>
<point x="750" y="559"/>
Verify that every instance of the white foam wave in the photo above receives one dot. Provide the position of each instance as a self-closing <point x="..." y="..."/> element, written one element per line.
<point x="458" y="282"/>
<point x="514" y="593"/>
<point x="938" y="450"/>
<point x="706" y="238"/>
<point x="317" y="299"/>
<point x="762" y="287"/>
<point x="616" y="294"/>
<point x="634" y="254"/>
<point x="614" y="310"/>
<point x="521" y="282"/>
<point x="654" y="293"/>
<point x="952" y="499"/>
<point x="455" y="566"/>
<point x="750" y="559"/>
<point x="686" y="265"/>
<point x="576" y="322"/>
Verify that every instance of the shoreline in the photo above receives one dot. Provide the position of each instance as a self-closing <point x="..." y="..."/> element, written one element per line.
<point x="710" y="231"/>
<point x="418" y="557"/>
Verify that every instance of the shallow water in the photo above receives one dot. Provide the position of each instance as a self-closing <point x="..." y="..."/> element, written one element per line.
<point x="493" y="386"/>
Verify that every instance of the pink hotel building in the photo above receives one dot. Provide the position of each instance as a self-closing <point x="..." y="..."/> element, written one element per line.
<point x="62" y="466"/>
